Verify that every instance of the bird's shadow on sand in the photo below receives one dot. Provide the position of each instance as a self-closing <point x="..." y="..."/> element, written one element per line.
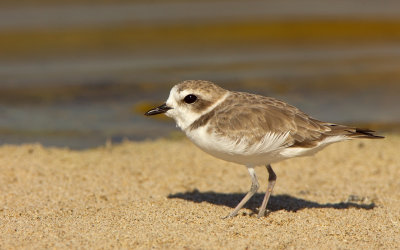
<point x="276" y="202"/>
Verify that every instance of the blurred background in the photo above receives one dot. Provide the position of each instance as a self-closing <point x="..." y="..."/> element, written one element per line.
<point x="78" y="73"/>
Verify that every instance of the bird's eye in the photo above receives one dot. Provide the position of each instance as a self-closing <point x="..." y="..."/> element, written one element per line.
<point x="190" y="98"/>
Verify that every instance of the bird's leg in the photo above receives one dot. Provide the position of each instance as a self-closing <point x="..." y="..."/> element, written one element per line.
<point x="253" y="190"/>
<point x="271" y="184"/>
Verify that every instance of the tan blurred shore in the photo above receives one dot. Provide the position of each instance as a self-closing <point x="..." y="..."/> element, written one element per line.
<point x="169" y="194"/>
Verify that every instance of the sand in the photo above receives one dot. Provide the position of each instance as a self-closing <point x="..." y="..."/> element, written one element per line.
<point x="169" y="194"/>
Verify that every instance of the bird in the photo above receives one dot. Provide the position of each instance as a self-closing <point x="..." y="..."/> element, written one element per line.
<point x="249" y="129"/>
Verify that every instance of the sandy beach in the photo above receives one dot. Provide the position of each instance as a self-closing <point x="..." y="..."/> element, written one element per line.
<point x="169" y="194"/>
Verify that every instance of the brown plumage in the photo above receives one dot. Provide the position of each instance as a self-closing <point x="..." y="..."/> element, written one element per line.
<point x="250" y="129"/>
<point x="236" y="119"/>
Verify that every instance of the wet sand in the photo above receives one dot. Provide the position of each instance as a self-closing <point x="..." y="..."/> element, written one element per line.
<point x="169" y="194"/>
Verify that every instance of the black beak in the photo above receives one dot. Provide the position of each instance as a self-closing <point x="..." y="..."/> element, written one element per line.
<point x="159" y="110"/>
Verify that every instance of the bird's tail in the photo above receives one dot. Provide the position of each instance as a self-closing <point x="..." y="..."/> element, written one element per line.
<point x="351" y="132"/>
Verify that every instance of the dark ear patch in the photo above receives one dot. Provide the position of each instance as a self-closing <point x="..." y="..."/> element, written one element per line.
<point x="198" y="105"/>
<point x="201" y="105"/>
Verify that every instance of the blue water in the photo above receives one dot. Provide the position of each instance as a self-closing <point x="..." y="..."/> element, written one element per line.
<point x="340" y="83"/>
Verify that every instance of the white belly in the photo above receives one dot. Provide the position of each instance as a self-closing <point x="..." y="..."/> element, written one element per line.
<point x="270" y="149"/>
<point x="265" y="152"/>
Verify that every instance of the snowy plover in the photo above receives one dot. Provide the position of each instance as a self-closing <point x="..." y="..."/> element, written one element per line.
<point x="249" y="129"/>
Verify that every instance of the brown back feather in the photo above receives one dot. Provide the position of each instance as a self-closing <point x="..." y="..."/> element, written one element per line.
<point x="236" y="120"/>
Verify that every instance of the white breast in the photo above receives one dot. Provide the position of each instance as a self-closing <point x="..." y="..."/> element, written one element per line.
<point x="240" y="151"/>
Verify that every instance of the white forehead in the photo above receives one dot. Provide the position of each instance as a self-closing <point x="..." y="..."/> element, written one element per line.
<point x="175" y="95"/>
<point x="180" y="113"/>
